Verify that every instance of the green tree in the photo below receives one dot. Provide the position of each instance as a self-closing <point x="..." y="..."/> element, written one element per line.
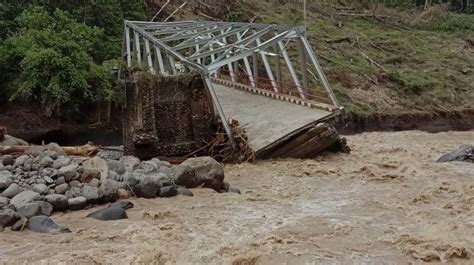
<point x="52" y="63"/>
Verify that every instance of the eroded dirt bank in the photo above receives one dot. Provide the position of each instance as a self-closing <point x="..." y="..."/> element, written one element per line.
<point x="386" y="202"/>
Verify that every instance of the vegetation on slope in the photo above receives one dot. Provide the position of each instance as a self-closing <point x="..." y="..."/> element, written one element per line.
<point x="425" y="57"/>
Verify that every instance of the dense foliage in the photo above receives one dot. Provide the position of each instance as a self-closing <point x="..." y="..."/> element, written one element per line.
<point x="62" y="54"/>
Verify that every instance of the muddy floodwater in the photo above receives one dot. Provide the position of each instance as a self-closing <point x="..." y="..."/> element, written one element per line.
<point x="387" y="202"/>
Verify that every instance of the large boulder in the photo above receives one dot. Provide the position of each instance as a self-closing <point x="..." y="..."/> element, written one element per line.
<point x="200" y="171"/>
<point x="108" y="190"/>
<point x="99" y="164"/>
<point x="463" y="153"/>
<point x="77" y="203"/>
<point x="29" y="210"/>
<point x="24" y="197"/>
<point x="46" y="207"/>
<point x="92" y="194"/>
<point x="58" y="201"/>
<point x="148" y="187"/>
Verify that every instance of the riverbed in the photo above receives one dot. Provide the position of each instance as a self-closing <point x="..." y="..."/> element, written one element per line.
<point x="386" y="202"/>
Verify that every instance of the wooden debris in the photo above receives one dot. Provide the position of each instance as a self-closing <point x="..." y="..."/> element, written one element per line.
<point x="307" y="143"/>
<point x="85" y="150"/>
<point x="373" y="62"/>
<point x="221" y="149"/>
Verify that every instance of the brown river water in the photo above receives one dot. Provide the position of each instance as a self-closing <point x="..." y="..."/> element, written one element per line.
<point x="387" y="202"/>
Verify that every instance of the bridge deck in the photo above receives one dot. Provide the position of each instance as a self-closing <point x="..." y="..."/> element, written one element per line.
<point x="265" y="119"/>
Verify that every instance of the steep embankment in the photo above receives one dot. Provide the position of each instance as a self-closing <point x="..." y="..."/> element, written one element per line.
<point x="387" y="64"/>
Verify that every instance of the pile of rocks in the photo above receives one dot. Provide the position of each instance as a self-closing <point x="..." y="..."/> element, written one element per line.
<point x="43" y="180"/>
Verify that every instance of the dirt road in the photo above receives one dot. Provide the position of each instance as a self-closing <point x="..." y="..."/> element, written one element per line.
<point x="387" y="202"/>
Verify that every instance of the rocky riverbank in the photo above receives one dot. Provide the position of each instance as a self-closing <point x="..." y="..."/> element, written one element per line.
<point x="44" y="179"/>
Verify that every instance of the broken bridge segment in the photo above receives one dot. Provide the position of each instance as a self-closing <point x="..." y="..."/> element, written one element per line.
<point x="266" y="76"/>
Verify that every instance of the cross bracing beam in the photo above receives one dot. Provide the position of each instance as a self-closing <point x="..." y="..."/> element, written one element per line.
<point x="249" y="53"/>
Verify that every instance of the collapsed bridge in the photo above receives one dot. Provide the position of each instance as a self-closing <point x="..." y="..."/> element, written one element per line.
<point x="265" y="76"/>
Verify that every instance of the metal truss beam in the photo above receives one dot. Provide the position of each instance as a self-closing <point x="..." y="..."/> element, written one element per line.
<point x="207" y="47"/>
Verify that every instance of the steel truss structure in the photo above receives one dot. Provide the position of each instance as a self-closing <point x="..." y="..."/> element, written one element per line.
<point x="217" y="49"/>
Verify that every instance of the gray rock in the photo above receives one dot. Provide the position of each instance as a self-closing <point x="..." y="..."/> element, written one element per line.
<point x="56" y="148"/>
<point x="52" y="154"/>
<point x="61" y="161"/>
<point x="77" y="203"/>
<point x="78" y="160"/>
<point x="7" y="160"/>
<point x="130" y="162"/>
<point x="108" y="214"/>
<point x="19" y="161"/>
<point x="116" y="166"/>
<point x="29" y="210"/>
<point x="185" y="192"/>
<point x="160" y="163"/>
<point x="463" y="153"/>
<point x="93" y="183"/>
<point x="75" y="184"/>
<point x="6" y="179"/>
<point x="44" y="224"/>
<point x="28" y="165"/>
<point x="20" y="225"/>
<point x="122" y="204"/>
<point x="108" y="189"/>
<point x="91" y="194"/>
<point x="167" y="192"/>
<point x="147" y="166"/>
<point x="132" y="178"/>
<point x="24" y="197"/>
<point x="61" y="189"/>
<point x="11" y="191"/>
<point x="164" y="179"/>
<point x="60" y="180"/>
<point x="4" y="202"/>
<point x="40" y="188"/>
<point x="46" y="161"/>
<point x="113" y="175"/>
<point x="48" y="180"/>
<point x="70" y="194"/>
<point x="58" y="201"/>
<point x="69" y="172"/>
<point x="40" y="181"/>
<point x="148" y="187"/>
<point x="46" y="207"/>
<point x="8" y="217"/>
<point x="99" y="164"/>
<point x="89" y="174"/>
<point x="201" y="170"/>
<point x="48" y="172"/>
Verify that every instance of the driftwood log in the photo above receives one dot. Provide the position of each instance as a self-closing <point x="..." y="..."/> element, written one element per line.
<point x="85" y="150"/>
